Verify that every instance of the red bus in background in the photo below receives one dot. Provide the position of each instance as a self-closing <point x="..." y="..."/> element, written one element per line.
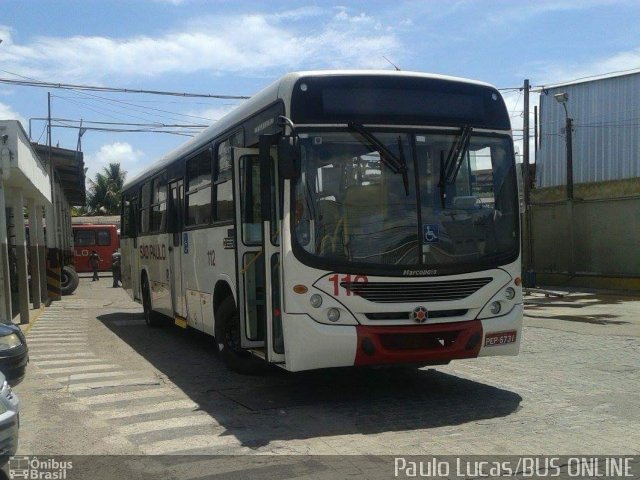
<point x="104" y="239"/>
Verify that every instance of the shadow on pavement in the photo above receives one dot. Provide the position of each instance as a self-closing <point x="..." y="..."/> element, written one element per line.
<point x="595" y="319"/>
<point x="581" y="303"/>
<point x="576" y="300"/>
<point x="282" y="405"/>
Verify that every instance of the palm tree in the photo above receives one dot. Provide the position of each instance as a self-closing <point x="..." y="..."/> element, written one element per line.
<point x="105" y="190"/>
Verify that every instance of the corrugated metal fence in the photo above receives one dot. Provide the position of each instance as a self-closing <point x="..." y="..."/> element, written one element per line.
<point x="606" y="134"/>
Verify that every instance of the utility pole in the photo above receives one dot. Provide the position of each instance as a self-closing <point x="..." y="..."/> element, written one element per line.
<point x="563" y="98"/>
<point x="569" y="134"/>
<point x="527" y="242"/>
<point x="525" y="143"/>
<point x="535" y="133"/>
<point x="51" y="213"/>
<point x="80" y="133"/>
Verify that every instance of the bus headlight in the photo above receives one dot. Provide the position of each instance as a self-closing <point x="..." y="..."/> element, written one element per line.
<point x="495" y="308"/>
<point x="315" y="300"/>
<point x="333" y="314"/>
<point x="501" y="304"/>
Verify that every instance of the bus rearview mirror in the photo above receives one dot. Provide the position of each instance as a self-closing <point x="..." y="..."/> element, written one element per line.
<point x="288" y="156"/>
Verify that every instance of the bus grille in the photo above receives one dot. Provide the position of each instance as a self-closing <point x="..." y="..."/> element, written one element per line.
<point x="391" y="292"/>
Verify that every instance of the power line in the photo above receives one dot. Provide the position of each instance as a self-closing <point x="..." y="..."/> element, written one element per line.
<point x="84" y="103"/>
<point x="43" y="130"/>
<point x="94" y="122"/>
<point x="105" y="99"/>
<point x="81" y="105"/>
<point x="64" y="123"/>
<point x="125" y="130"/>
<point x="556" y="84"/>
<point x="612" y="125"/>
<point x="113" y="100"/>
<point x="516" y="104"/>
<point x="93" y="88"/>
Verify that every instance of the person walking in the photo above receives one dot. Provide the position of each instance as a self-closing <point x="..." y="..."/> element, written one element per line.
<point x="115" y="268"/>
<point x="94" y="261"/>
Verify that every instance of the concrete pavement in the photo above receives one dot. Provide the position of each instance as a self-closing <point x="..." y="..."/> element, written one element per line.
<point x="101" y="382"/>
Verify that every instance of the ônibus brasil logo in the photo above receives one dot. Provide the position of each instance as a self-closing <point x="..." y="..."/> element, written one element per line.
<point x="34" y="468"/>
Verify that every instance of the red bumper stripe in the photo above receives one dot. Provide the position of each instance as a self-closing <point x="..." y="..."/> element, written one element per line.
<point x="378" y="345"/>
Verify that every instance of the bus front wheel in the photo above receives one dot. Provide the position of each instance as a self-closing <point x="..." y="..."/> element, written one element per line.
<point x="227" y="335"/>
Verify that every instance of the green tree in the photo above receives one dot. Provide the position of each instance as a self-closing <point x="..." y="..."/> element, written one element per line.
<point x="105" y="190"/>
<point x="78" y="211"/>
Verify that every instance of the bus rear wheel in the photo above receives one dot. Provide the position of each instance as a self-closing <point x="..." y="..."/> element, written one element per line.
<point x="151" y="318"/>
<point x="227" y="335"/>
<point x="69" y="280"/>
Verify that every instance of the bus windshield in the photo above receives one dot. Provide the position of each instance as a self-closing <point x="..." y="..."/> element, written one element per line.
<point x="352" y="208"/>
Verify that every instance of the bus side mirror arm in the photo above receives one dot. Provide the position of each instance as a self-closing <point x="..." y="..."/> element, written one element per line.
<point x="288" y="156"/>
<point x="288" y="150"/>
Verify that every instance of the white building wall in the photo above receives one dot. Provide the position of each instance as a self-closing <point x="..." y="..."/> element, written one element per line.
<point x="26" y="168"/>
<point x="24" y="179"/>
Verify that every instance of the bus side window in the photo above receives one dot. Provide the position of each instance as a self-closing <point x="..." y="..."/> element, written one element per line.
<point x="125" y="226"/>
<point x="132" y="227"/>
<point x="145" y="201"/>
<point x="224" y="187"/>
<point x="104" y="238"/>
<point x="158" y="218"/>
<point x="84" y="238"/>
<point x="198" y="198"/>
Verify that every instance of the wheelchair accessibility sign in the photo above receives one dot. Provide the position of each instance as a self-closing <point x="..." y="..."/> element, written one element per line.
<point x="430" y="233"/>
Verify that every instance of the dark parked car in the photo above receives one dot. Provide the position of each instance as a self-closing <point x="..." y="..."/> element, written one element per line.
<point x="14" y="353"/>
<point x="9" y="422"/>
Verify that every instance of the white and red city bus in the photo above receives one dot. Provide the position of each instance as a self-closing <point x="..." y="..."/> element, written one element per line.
<point x="104" y="239"/>
<point x="337" y="218"/>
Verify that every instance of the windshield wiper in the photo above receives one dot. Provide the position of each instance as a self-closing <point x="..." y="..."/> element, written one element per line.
<point x="395" y="164"/>
<point x="450" y="167"/>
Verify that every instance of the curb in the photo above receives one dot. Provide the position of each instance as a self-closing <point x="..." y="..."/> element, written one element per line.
<point x="36" y="316"/>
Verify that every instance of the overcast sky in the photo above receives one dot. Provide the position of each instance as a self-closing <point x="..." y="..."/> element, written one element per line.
<point x="239" y="47"/>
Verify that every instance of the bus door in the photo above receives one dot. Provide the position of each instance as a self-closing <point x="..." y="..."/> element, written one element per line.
<point x="131" y="278"/>
<point x="258" y="252"/>
<point x="176" y="196"/>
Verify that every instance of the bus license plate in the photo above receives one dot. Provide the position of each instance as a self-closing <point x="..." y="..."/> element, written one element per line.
<point x="500" y="338"/>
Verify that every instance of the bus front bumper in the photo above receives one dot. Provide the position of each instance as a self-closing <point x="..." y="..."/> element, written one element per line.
<point x="312" y="345"/>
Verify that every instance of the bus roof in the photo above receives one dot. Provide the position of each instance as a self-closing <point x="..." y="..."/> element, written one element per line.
<point x="281" y="88"/>
<point x="93" y="225"/>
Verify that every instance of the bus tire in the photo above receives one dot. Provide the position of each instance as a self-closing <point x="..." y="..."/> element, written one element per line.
<point x="227" y="336"/>
<point x="69" y="280"/>
<point x="151" y="318"/>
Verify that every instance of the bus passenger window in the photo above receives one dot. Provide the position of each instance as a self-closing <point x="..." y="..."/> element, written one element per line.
<point x="224" y="187"/>
<point x="132" y="231"/>
<point x="145" y="201"/>
<point x="125" y="226"/>
<point x="84" y="238"/>
<point x="198" y="197"/>
<point x="159" y="205"/>
<point x="104" y="238"/>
